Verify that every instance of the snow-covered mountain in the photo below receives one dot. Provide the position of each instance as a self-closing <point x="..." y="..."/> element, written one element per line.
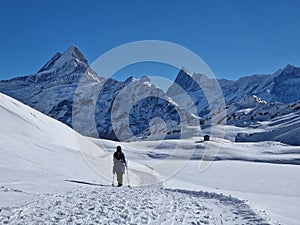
<point x="149" y="112"/>
<point x="254" y="102"/>
<point x="52" y="90"/>
<point x="137" y="109"/>
<point x="283" y="86"/>
<point x="186" y="84"/>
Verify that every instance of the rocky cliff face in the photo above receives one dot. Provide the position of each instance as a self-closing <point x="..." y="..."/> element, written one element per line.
<point x="286" y="87"/>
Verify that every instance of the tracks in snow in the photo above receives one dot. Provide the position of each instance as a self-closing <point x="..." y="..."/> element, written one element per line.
<point x="108" y="205"/>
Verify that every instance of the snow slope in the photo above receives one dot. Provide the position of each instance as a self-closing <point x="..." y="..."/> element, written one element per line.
<point x="37" y="152"/>
<point x="262" y="121"/>
<point x="31" y="141"/>
<point x="45" y="179"/>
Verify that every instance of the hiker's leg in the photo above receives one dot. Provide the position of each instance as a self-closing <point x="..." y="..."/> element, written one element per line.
<point x="120" y="178"/>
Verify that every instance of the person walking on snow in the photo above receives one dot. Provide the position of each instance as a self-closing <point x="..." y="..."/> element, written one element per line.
<point x="119" y="165"/>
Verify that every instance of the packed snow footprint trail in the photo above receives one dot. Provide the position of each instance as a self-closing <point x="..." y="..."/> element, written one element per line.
<point x="109" y="205"/>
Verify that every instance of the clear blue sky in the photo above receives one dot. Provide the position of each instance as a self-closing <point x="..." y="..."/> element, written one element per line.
<point x="235" y="38"/>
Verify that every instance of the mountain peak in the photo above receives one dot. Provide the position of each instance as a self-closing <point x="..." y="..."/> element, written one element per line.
<point x="184" y="79"/>
<point x="184" y="70"/>
<point x="129" y="80"/>
<point x="73" y="51"/>
<point x="290" y="71"/>
<point x="72" y="48"/>
<point x="289" y="67"/>
<point x="72" y="56"/>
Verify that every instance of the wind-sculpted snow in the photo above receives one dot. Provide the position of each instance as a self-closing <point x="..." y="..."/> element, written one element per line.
<point x="110" y="205"/>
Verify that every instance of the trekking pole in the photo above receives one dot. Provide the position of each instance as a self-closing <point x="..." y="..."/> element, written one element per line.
<point x="127" y="174"/>
<point x="113" y="180"/>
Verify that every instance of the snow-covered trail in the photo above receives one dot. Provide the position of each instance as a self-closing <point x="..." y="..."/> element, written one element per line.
<point x="111" y="205"/>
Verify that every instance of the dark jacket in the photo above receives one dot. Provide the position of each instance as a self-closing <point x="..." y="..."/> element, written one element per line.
<point x="119" y="163"/>
<point x="120" y="156"/>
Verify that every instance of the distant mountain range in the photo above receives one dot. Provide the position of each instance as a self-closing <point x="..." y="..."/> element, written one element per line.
<point x="282" y="87"/>
<point x="249" y="101"/>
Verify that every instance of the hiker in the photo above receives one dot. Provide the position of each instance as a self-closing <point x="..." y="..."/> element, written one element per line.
<point x="119" y="165"/>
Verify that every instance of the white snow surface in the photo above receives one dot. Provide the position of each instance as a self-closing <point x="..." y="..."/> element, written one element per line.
<point x="47" y="179"/>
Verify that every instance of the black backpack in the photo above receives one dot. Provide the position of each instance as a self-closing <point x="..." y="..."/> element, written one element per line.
<point x="119" y="155"/>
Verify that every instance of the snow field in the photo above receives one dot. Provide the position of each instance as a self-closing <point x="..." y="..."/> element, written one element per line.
<point x="39" y="155"/>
